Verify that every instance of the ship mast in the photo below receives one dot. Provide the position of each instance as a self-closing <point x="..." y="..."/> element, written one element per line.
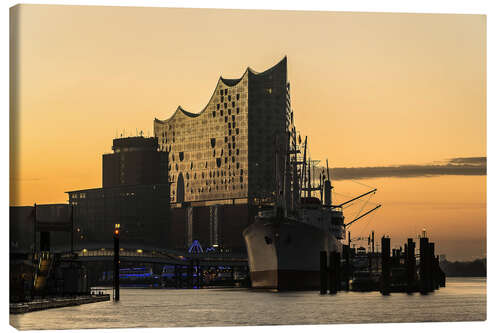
<point x="295" y="193"/>
<point x="303" y="169"/>
<point x="286" y="170"/>
<point x="309" y="178"/>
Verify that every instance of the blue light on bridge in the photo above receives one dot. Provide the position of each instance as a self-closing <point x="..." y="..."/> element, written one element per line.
<point x="195" y="247"/>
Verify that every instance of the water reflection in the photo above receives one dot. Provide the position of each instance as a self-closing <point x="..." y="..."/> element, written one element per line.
<point x="463" y="299"/>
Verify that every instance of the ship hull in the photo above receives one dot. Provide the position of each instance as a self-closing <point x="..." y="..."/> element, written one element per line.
<point x="285" y="255"/>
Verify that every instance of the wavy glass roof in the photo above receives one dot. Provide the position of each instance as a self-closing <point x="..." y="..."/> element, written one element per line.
<point x="227" y="82"/>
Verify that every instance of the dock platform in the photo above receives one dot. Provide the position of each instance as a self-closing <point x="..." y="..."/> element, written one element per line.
<point x="56" y="302"/>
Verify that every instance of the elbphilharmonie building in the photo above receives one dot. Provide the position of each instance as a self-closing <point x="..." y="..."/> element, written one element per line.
<point x="224" y="160"/>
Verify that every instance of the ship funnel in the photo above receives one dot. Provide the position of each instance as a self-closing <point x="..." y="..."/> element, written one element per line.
<point x="328" y="193"/>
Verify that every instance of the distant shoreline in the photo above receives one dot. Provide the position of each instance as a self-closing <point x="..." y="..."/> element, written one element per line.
<point x="476" y="268"/>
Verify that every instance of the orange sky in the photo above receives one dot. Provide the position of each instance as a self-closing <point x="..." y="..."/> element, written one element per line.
<point x="369" y="90"/>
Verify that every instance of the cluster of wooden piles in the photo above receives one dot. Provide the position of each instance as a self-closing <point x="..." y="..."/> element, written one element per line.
<point x="400" y="272"/>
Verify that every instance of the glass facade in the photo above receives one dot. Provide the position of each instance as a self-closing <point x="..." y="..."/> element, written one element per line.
<point x="228" y="150"/>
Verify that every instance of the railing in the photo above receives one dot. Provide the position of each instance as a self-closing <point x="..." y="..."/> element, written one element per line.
<point x="101" y="290"/>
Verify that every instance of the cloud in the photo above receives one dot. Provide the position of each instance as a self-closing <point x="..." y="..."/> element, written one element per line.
<point x="460" y="166"/>
<point x="468" y="160"/>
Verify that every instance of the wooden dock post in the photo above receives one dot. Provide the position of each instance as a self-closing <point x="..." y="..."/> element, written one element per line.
<point x="410" y="266"/>
<point x="332" y="273"/>
<point x="437" y="273"/>
<point x="323" y="274"/>
<point x="386" y="266"/>
<point x="433" y="269"/>
<point x="424" y="265"/>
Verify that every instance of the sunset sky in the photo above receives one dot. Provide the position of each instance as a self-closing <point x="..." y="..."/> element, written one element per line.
<point x="395" y="91"/>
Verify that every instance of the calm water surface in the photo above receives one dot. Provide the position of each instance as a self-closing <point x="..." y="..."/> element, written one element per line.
<point x="463" y="299"/>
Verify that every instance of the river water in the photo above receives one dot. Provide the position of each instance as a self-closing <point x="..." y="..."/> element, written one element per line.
<point x="463" y="299"/>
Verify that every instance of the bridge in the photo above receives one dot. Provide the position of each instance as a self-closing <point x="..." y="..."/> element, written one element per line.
<point x="166" y="257"/>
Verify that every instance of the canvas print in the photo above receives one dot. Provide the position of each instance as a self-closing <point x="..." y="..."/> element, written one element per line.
<point x="175" y="167"/>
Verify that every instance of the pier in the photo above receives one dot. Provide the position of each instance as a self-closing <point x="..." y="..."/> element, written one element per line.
<point x="56" y="302"/>
<point x="399" y="270"/>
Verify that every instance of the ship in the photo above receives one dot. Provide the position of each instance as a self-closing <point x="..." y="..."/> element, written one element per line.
<point x="285" y="239"/>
